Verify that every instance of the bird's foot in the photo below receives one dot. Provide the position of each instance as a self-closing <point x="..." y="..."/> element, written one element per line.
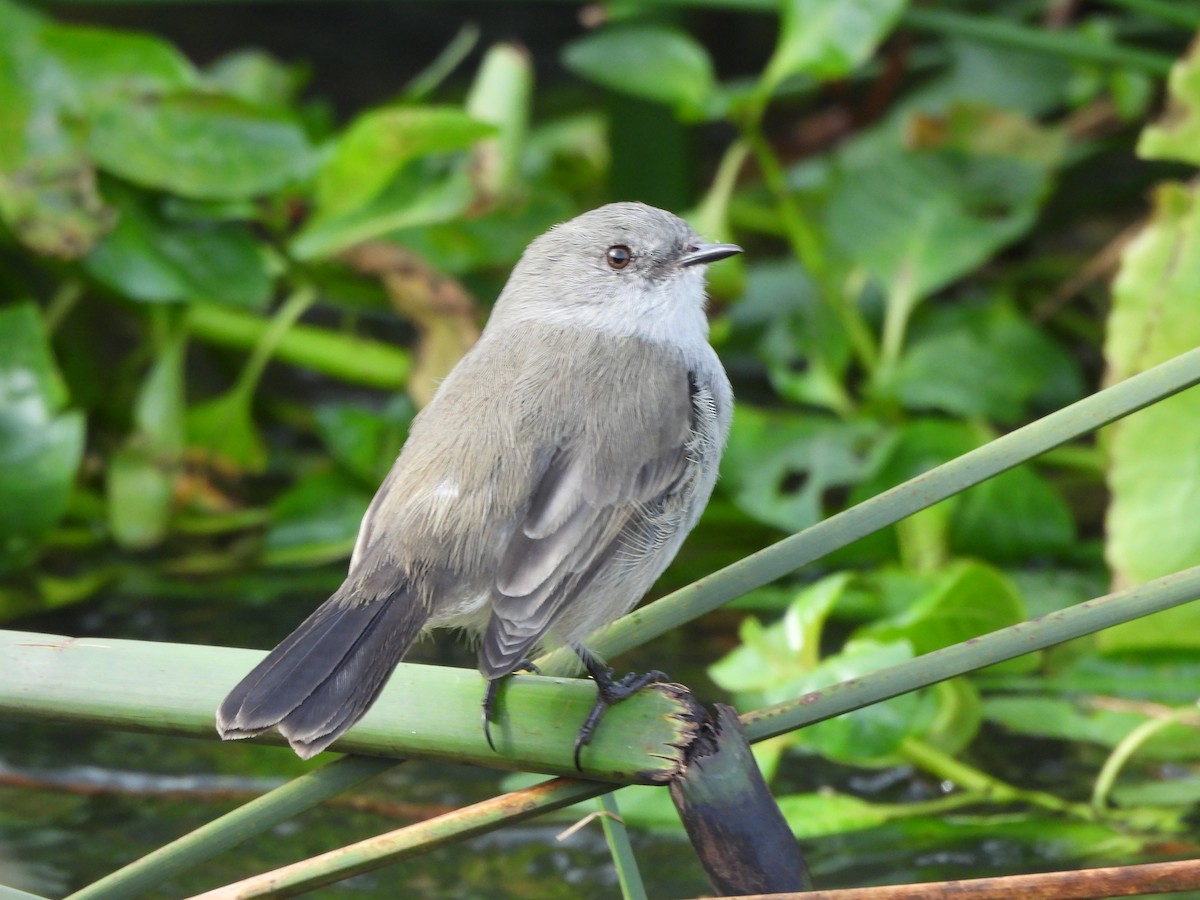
<point x="609" y="691"/>
<point x="489" y="697"/>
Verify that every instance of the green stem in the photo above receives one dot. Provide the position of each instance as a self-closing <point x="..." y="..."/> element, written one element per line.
<point x="260" y="814"/>
<point x="428" y="712"/>
<point x="1181" y="14"/>
<point x="980" y="784"/>
<point x="1122" y="753"/>
<point x="221" y="522"/>
<point x="713" y="212"/>
<point x="64" y="300"/>
<point x="615" y="833"/>
<point x="806" y="246"/>
<point x="933" y="807"/>
<point x="341" y="356"/>
<point x="405" y="843"/>
<point x="958" y="659"/>
<point x="1069" y="45"/>
<point x="804" y="239"/>
<point x="293" y="307"/>
<point x="433" y="75"/>
<point x="901" y="301"/>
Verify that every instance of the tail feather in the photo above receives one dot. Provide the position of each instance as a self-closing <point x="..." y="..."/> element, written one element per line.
<point x="325" y="675"/>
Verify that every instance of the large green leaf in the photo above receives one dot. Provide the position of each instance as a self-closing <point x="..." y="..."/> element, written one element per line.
<point x="799" y="336"/>
<point x="363" y="442"/>
<point x="200" y="145"/>
<point x="40" y="446"/>
<point x="871" y="735"/>
<point x="778" y="468"/>
<point x="925" y="219"/>
<point x="256" y="77"/>
<point x="654" y="62"/>
<point x="1154" y="467"/>
<point x="781" y="661"/>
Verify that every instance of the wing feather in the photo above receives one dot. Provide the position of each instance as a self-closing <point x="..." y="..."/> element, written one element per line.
<point x="586" y="510"/>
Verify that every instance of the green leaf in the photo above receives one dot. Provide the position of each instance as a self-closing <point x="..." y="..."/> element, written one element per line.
<point x="256" y="77"/>
<point x="140" y="490"/>
<point x="223" y="428"/>
<point x="200" y="145"/>
<point x="1159" y="677"/>
<point x="653" y="62"/>
<point x="1069" y="720"/>
<point x="868" y="736"/>
<point x="785" y="650"/>
<point x="819" y="815"/>
<point x="1001" y="76"/>
<point x="141" y="476"/>
<point x="1172" y="790"/>
<point x="1008" y="367"/>
<point x="109" y="67"/>
<point x="48" y="195"/>
<point x="151" y="258"/>
<point x="414" y="198"/>
<point x="795" y="332"/>
<point x="501" y="95"/>
<point x="913" y="448"/>
<point x="1046" y="590"/>
<point x="363" y="442"/>
<point x="828" y="39"/>
<point x="54" y="79"/>
<point x="919" y="220"/>
<point x="1177" y="135"/>
<point x="778" y="467"/>
<point x="1013" y="517"/>
<point x="969" y="599"/>
<point x="490" y="241"/>
<point x="316" y="521"/>
<point x="1154" y="470"/>
<point x="381" y="142"/>
<point x="40" y="446"/>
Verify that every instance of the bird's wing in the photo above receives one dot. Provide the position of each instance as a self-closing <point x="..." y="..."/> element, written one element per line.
<point x="597" y="500"/>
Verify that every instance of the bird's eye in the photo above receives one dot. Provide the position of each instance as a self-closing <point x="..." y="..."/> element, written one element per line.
<point x="618" y="256"/>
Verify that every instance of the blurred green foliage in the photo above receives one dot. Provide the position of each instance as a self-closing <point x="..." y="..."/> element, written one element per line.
<point x="198" y="369"/>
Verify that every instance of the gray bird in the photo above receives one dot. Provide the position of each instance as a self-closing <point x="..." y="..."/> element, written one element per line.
<point x="541" y="492"/>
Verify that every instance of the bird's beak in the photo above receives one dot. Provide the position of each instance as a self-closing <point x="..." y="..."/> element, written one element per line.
<point x="701" y="254"/>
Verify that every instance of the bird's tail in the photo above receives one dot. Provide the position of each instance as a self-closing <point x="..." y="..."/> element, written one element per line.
<point x="326" y="674"/>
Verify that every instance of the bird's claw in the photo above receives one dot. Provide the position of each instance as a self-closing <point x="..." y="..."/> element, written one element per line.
<point x="608" y="692"/>
<point x="489" y="698"/>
